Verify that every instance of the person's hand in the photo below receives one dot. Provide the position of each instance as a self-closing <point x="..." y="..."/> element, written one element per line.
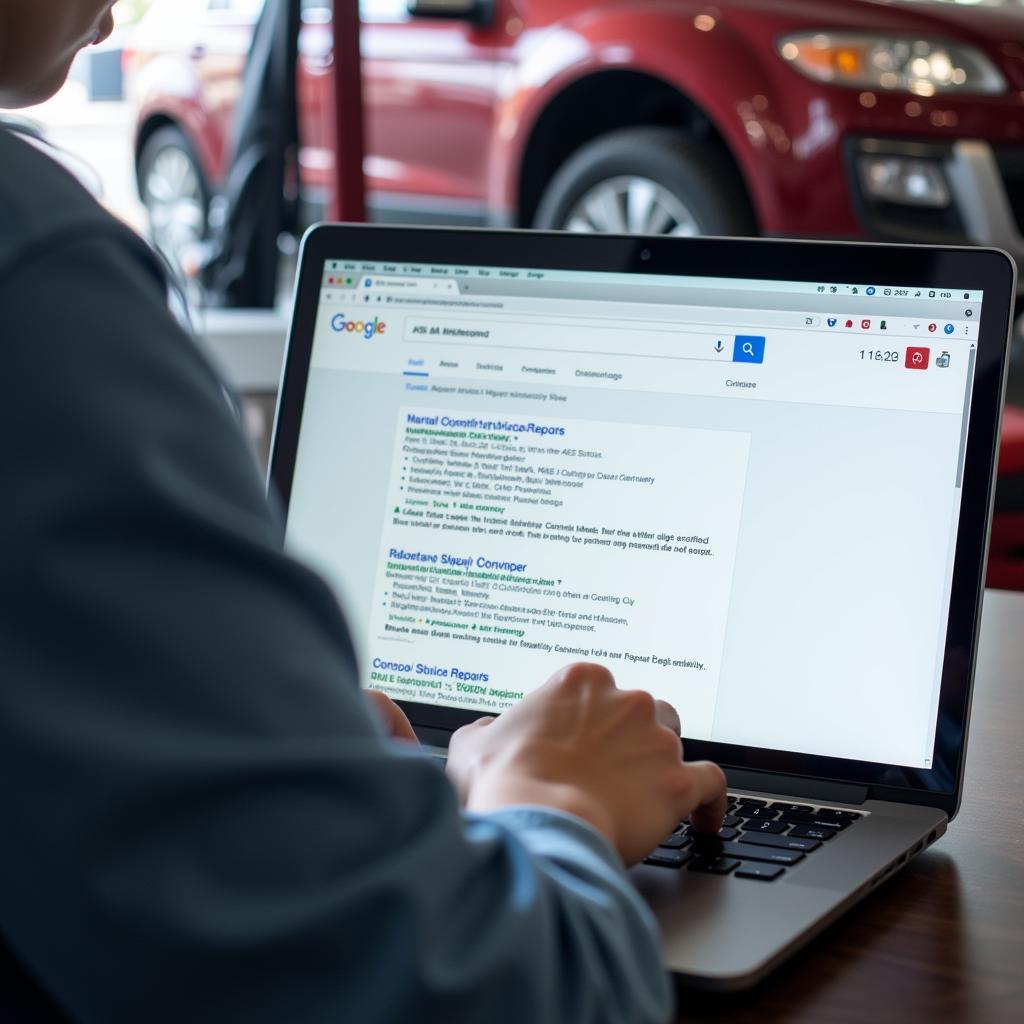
<point x="579" y="744"/>
<point x="397" y="725"/>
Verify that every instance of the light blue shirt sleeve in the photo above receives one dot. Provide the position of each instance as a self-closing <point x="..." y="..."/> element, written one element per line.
<point x="623" y="959"/>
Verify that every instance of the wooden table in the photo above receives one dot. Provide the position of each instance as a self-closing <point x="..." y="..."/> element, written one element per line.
<point x="944" y="939"/>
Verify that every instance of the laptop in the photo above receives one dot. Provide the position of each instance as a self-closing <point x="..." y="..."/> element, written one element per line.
<point x="752" y="477"/>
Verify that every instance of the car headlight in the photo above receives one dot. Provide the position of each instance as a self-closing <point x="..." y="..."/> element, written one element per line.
<point x="893" y="64"/>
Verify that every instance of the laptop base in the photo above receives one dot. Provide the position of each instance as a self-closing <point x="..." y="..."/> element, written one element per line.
<point x="727" y="933"/>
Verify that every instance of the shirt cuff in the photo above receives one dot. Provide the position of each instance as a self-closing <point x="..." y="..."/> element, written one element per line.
<point x="549" y="828"/>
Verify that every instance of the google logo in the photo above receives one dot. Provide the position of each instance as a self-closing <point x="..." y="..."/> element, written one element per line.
<point x="367" y="328"/>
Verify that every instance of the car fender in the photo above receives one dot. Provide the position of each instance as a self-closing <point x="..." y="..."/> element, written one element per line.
<point x="719" y="71"/>
<point x="167" y="90"/>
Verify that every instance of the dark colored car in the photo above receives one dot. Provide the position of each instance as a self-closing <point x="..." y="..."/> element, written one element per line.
<point x="853" y="118"/>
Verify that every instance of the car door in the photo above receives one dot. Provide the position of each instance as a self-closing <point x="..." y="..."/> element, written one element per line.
<point x="430" y="90"/>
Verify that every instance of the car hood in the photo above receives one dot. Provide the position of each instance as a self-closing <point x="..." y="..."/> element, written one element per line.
<point x="992" y="20"/>
<point x="996" y="20"/>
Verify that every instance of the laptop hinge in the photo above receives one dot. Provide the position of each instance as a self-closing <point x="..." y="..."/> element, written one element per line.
<point x="791" y="785"/>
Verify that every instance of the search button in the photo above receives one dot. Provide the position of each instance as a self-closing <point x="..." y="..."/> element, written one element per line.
<point x="748" y="349"/>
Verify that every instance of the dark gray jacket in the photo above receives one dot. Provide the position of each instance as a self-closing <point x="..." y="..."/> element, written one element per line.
<point x="199" y="821"/>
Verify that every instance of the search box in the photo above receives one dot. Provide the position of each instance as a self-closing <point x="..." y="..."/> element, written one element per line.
<point x="577" y="337"/>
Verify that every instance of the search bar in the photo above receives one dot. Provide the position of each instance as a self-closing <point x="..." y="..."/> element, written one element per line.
<point x="595" y="338"/>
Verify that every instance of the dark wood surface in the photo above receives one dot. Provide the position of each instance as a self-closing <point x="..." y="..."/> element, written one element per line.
<point x="944" y="939"/>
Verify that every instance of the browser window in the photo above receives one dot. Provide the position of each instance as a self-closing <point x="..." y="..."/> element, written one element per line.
<point x="742" y="496"/>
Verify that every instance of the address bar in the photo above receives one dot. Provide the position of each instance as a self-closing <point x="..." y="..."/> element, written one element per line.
<point x="705" y="342"/>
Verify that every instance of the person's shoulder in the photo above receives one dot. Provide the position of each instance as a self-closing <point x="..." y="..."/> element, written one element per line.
<point x="43" y="205"/>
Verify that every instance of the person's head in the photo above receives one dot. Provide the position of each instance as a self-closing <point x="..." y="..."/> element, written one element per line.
<point x="39" y="40"/>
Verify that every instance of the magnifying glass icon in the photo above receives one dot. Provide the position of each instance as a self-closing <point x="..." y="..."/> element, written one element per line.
<point x="748" y="348"/>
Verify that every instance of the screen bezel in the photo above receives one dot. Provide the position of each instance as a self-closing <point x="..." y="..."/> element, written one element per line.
<point x="990" y="271"/>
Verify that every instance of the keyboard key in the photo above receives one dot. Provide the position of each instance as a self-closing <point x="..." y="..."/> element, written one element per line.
<point x="718" y="866"/>
<point x="765" y="827"/>
<point x="707" y="846"/>
<point x="762" y="872"/>
<point x="728" y="833"/>
<point x="792" y="808"/>
<point x="731" y="821"/>
<point x="751" y="801"/>
<point x="781" y="842"/>
<point x="702" y="836"/>
<point x="767" y="854"/>
<point x="710" y="839"/>
<point x="676" y="841"/>
<point x="762" y="813"/>
<point x="836" y="824"/>
<point x="834" y="812"/>
<point x="812" y="832"/>
<point x="797" y="817"/>
<point x="668" y="858"/>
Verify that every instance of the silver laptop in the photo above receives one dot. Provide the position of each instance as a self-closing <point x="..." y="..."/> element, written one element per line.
<point x="752" y="477"/>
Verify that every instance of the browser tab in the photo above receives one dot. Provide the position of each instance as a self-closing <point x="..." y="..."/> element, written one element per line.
<point x="407" y="286"/>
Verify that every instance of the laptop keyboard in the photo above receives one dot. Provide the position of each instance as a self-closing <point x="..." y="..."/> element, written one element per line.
<point x="760" y="839"/>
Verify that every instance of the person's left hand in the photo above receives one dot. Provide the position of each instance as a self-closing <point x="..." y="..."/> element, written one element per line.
<point x="397" y="725"/>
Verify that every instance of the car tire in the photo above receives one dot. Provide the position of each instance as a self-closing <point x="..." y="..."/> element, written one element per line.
<point x="175" y="193"/>
<point x="647" y="181"/>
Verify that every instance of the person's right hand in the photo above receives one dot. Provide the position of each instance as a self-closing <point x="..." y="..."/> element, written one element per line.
<point x="580" y="745"/>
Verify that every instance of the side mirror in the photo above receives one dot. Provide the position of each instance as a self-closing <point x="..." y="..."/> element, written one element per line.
<point x="477" y="12"/>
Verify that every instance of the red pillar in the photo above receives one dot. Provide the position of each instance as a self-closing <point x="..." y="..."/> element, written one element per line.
<point x="349" y="201"/>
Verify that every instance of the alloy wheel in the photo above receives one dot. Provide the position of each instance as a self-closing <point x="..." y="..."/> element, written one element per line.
<point x="631" y="205"/>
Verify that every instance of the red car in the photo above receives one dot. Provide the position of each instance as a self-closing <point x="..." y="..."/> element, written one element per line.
<point x="853" y="118"/>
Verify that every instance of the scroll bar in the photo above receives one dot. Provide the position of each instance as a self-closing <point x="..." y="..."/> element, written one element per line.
<point x="966" y="417"/>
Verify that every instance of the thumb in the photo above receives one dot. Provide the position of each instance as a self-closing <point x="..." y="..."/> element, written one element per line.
<point x="467" y="730"/>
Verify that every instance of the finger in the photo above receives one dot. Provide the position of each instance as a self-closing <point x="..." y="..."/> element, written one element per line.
<point x="668" y="716"/>
<point x="710" y="784"/>
<point x="583" y="673"/>
<point x="396" y="724"/>
<point x="460" y="755"/>
<point x="467" y="730"/>
<point x="401" y="727"/>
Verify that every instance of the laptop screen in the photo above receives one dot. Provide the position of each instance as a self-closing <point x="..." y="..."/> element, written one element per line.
<point x="740" y="495"/>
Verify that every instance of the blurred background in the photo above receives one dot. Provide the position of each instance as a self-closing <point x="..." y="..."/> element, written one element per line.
<point x="210" y="126"/>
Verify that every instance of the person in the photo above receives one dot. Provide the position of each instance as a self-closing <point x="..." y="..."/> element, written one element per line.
<point x="202" y="820"/>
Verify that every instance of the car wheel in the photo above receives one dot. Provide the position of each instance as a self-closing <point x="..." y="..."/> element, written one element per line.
<point x="174" y="191"/>
<point x="649" y="181"/>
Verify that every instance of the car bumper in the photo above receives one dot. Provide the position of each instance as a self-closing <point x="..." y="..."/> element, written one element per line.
<point x="986" y="195"/>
